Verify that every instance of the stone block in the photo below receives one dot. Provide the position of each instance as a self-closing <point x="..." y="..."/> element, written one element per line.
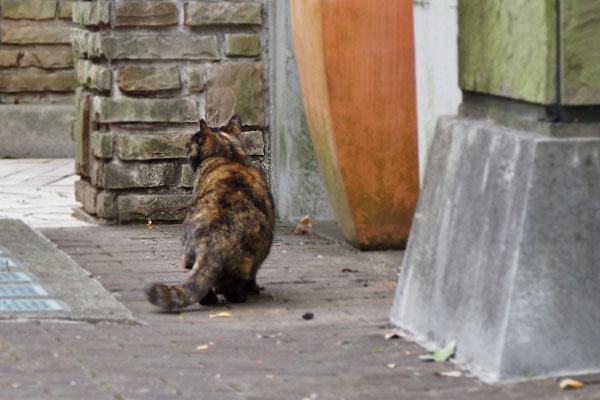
<point x="92" y="75"/>
<point x="106" y="204"/>
<point x="503" y="254"/>
<point x="187" y="176"/>
<point x="235" y="88"/>
<point x="223" y="13"/>
<point x="101" y="144"/>
<point x="151" y="147"/>
<point x="66" y="10"/>
<point x="56" y="57"/>
<point x="37" y="80"/>
<point x="38" y="131"/>
<point x="86" y="194"/>
<point x="108" y="110"/>
<point x="145" y="13"/>
<point x="243" y="45"/>
<point x="9" y="58"/>
<point x="95" y="167"/>
<point x="155" y="206"/>
<point x="86" y="43"/>
<point x="580" y="67"/>
<point x="162" y="48"/>
<point x="89" y="13"/>
<point x="195" y="77"/>
<point x="135" y="175"/>
<point x="29" y="9"/>
<point x="253" y="143"/>
<point x="134" y="78"/>
<point x="24" y="32"/>
<point x="82" y="133"/>
<point x="508" y="48"/>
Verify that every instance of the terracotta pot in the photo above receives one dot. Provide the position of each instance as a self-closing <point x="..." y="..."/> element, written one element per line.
<point x="356" y="64"/>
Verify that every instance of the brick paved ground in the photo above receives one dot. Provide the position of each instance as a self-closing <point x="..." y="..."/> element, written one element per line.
<point x="264" y="351"/>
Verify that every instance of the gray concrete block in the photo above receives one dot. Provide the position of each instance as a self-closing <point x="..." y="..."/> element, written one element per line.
<point x="28" y="131"/>
<point x="502" y="255"/>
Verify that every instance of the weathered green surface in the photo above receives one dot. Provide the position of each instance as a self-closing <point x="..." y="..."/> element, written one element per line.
<point x="81" y="133"/>
<point x="580" y="55"/>
<point x="253" y="143"/>
<point x="86" y="43"/>
<point x="242" y="45"/>
<point x="101" y="144"/>
<point x="106" y="205"/>
<point x="508" y="48"/>
<point x="145" y="13"/>
<point x="195" y="78"/>
<point x="134" y="78"/>
<point x="235" y="88"/>
<point x="37" y="80"/>
<point x="144" y="110"/>
<point x="86" y="194"/>
<point x="151" y="147"/>
<point x="29" y="9"/>
<point x="160" y="207"/>
<point x="223" y="13"/>
<point x="187" y="176"/>
<point x="91" y="13"/>
<point x="161" y="47"/>
<point x="135" y="175"/>
<point x="92" y="75"/>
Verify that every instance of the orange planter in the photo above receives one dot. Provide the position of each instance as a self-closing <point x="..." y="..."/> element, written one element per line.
<point x="356" y="64"/>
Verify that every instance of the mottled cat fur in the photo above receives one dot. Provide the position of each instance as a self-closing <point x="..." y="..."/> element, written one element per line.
<point x="228" y="229"/>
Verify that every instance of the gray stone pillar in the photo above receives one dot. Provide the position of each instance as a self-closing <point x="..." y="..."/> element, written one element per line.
<point x="36" y="79"/>
<point x="149" y="70"/>
<point x="503" y="255"/>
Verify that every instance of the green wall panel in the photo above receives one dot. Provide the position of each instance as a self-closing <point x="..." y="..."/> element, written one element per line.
<point x="508" y="48"/>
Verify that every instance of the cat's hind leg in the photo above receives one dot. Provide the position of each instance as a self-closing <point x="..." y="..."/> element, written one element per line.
<point x="210" y="299"/>
<point x="234" y="290"/>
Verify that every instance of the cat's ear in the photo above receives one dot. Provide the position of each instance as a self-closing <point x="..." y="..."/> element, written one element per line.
<point x="203" y="127"/>
<point x="234" y="126"/>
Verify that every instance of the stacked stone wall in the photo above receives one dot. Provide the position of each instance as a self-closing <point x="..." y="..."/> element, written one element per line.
<point x="36" y="63"/>
<point x="149" y="70"/>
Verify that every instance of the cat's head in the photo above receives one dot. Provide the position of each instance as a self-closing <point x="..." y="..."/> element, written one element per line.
<point x="214" y="142"/>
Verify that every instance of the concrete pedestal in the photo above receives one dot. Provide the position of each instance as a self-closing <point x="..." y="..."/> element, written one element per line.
<point x="504" y="252"/>
<point x="36" y="131"/>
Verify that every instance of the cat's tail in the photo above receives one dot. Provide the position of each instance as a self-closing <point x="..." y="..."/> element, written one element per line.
<point x="201" y="280"/>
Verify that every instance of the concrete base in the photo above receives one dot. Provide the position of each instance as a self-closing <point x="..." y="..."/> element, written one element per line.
<point x="503" y="255"/>
<point x="36" y="131"/>
<point x="83" y="297"/>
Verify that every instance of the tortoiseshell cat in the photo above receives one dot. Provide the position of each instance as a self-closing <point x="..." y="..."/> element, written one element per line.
<point x="228" y="229"/>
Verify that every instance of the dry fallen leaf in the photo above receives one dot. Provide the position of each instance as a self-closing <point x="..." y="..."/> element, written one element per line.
<point x="202" y="347"/>
<point x="303" y="226"/>
<point x="442" y="354"/>
<point x="306" y="221"/>
<point x="224" y="314"/>
<point x="450" y="374"/>
<point x="569" y="383"/>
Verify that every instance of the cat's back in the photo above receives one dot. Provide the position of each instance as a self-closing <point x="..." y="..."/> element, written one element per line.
<point x="234" y="194"/>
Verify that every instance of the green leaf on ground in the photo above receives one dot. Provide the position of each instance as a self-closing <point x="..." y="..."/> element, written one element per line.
<point x="440" y="355"/>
